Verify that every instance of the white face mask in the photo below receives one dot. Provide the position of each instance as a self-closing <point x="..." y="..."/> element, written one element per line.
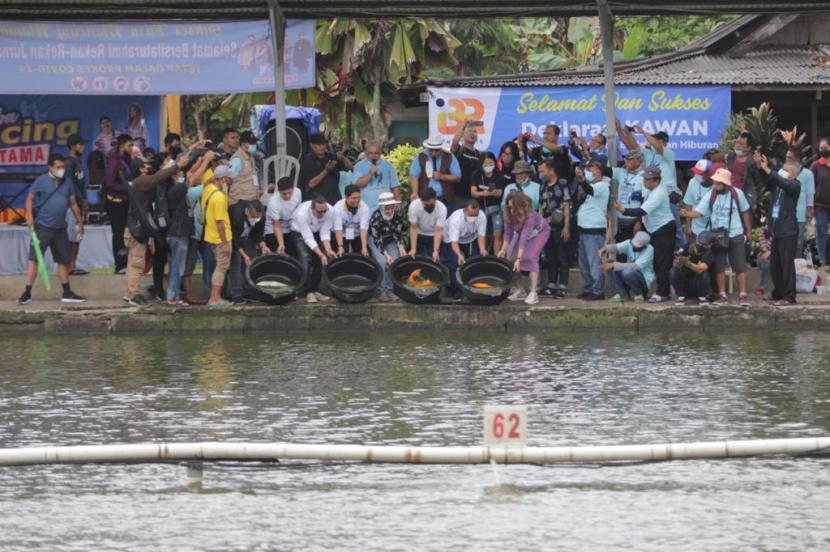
<point x="180" y="180"/>
<point x="59" y="173"/>
<point x="488" y="169"/>
<point x="253" y="221"/>
<point x="470" y="219"/>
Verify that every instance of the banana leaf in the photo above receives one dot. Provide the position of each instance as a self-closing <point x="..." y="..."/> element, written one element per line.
<point x="41" y="263"/>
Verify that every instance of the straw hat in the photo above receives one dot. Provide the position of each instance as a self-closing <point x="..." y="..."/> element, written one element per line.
<point x="387" y="198"/>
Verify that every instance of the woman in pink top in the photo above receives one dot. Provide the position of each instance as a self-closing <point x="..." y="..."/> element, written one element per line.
<point x="525" y="234"/>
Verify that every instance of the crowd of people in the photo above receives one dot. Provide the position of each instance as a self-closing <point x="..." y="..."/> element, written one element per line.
<point x="544" y="203"/>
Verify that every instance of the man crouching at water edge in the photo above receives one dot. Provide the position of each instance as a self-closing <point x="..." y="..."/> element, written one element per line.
<point x="466" y="237"/>
<point x="690" y="273"/>
<point x="311" y="227"/>
<point x="46" y="204"/>
<point x="634" y="276"/>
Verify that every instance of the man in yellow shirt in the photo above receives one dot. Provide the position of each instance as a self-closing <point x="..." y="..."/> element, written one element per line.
<point x="218" y="229"/>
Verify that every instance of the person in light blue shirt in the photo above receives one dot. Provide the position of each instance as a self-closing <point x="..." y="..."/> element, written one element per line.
<point x="522" y="171"/>
<point x="660" y="224"/>
<point x="635" y="275"/>
<point x="592" y="219"/>
<point x="699" y="185"/>
<point x="374" y="176"/>
<point x="804" y="206"/>
<point x="437" y="169"/>
<point x="728" y="209"/>
<point x="629" y="192"/>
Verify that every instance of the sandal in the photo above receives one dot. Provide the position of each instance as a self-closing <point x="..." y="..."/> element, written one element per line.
<point x="78" y="272"/>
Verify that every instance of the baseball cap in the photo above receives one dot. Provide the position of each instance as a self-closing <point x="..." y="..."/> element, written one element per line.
<point x="652" y="171"/>
<point x="701" y="167"/>
<point x="222" y="171"/>
<point x="640" y="239"/>
<point x="705" y="238"/>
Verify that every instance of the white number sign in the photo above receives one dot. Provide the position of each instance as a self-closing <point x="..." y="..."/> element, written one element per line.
<point x="505" y="425"/>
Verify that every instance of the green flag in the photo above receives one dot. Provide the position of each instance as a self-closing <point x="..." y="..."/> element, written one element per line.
<point x="41" y="263"/>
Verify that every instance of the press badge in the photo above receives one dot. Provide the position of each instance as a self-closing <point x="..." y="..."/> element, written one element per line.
<point x="350" y="232"/>
<point x="776" y="209"/>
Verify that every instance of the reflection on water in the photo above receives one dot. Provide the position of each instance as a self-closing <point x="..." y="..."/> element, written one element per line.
<point x="416" y="388"/>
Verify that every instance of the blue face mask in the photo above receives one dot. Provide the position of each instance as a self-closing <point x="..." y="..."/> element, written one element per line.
<point x="783" y="174"/>
<point x="589" y="177"/>
<point x="252" y="148"/>
<point x="546" y="150"/>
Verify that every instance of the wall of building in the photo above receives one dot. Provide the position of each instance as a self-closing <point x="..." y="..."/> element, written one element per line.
<point x="807" y="29"/>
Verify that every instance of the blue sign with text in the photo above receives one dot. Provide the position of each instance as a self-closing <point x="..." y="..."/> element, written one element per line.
<point x="151" y="58"/>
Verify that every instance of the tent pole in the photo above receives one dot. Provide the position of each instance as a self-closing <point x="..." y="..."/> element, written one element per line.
<point x="278" y="45"/>
<point x="606" y="26"/>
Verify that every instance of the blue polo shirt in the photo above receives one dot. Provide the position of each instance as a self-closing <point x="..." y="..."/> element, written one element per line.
<point x="52" y="213"/>
<point x="384" y="181"/>
<point x="629" y="183"/>
<point x="592" y="212"/>
<point x="668" y="172"/>
<point x="694" y="193"/>
<point x="808" y="187"/>
<point x="644" y="259"/>
<point x="530" y="189"/>
<point x="719" y="211"/>
<point x="657" y="207"/>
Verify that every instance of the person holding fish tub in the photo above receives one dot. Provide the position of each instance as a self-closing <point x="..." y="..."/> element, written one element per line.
<point x="426" y="225"/>
<point x="635" y="276"/>
<point x="311" y="228"/>
<point x="351" y="223"/>
<point x="386" y="233"/>
<point x="525" y="234"/>
<point x="465" y="236"/>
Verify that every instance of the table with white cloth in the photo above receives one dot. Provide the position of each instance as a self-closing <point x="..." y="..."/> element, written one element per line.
<point x="95" y="251"/>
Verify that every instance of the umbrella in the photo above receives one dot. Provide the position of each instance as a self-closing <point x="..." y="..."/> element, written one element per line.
<point x="41" y="263"/>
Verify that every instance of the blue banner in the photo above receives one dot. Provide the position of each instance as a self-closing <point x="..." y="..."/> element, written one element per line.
<point x="694" y="117"/>
<point x="151" y="58"/>
<point x="32" y="127"/>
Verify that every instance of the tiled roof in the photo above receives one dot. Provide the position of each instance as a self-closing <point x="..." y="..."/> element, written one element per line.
<point x="764" y="66"/>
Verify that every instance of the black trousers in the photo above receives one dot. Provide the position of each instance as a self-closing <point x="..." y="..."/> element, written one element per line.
<point x="782" y="268"/>
<point x="688" y="283"/>
<point x="117" y="212"/>
<point x="663" y="242"/>
<point x="159" y="262"/>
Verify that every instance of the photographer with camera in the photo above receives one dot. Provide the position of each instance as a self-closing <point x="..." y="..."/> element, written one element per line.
<point x="547" y="147"/>
<point x="690" y="268"/>
<point x="320" y="170"/>
<point x="728" y="211"/>
<point x="585" y="151"/>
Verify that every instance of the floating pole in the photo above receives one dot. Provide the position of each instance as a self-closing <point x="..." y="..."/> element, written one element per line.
<point x="166" y="452"/>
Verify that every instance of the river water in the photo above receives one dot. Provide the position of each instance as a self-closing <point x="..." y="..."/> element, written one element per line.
<point x="425" y="389"/>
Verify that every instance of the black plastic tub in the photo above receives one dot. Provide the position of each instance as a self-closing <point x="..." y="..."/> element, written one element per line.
<point x="275" y="279"/>
<point x="494" y="272"/>
<point x="402" y="269"/>
<point x="353" y="278"/>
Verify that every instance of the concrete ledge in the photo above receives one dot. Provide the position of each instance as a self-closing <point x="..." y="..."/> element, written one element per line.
<point x="47" y="318"/>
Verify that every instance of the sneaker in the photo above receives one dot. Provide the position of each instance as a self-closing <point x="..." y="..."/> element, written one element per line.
<point x="680" y="301"/>
<point x="392" y="297"/>
<point x="517" y="294"/>
<point x="456" y="298"/>
<point x="532" y="298"/>
<point x="321" y="297"/>
<point x="595" y="297"/>
<point x="560" y="294"/>
<point x="743" y="300"/>
<point x="121" y="271"/>
<point x="72" y="297"/>
<point x="760" y="292"/>
<point x="639" y="299"/>
<point x="722" y="299"/>
<point x="548" y="292"/>
<point x="702" y="301"/>
<point x="583" y="295"/>
<point x="25" y="298"/>
<point x="617" y="298"/>
<point x="238" y="302"/>
<point x="311" y="297"/>
<point x="784" y="303"/>
<point x="137" y="301"/>
<point x="656" y="299"/>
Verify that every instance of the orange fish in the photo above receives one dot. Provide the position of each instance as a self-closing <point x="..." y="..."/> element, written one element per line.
<point x="482" y="285"/>
<point x="415" y="280"/>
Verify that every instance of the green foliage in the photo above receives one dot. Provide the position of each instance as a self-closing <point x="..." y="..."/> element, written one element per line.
<point x="653" y="35"/>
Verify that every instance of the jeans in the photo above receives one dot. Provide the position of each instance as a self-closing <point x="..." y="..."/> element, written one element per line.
<point x="208" y="263"/>
<point x="764" y="266"/>
<point x="628" y="280"/>
<point x="178" y="256"/>
<point x="557" y="252"/>
<point x="679" y="235"/>
<point x="307" y="258"/>
<point x="799" y="244"/>
<point x="663" y="241"/>
<point x="117" y="212"/>
<point x="593" y="280"/>
<point x="378" y="254"/>
<point x="450" y="260"/>
<point x="822" y="220"/>
<point x="688" y="283"/>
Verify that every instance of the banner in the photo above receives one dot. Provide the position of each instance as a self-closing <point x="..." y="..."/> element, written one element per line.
<point x="32" y="127"/>
<point x="151" y="58"/>
<point x="694" y="117"/>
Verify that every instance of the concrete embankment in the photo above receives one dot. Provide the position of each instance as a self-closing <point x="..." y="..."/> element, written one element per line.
<point x="50" y="318"/>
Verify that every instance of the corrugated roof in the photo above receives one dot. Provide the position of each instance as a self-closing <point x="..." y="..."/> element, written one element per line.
<point x="241" y="9"/>
<point x="768" y="66"/>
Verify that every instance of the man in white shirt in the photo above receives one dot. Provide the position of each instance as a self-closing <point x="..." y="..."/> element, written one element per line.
<point x="351" y="223"/>
<point x="311" y="228"/>
<point x="281" y="208"/>
<point x="465" y="237"/>
<point x="427" y="216"/>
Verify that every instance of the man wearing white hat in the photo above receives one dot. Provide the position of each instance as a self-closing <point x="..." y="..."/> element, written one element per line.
<point x="435" y="168"/>
<point x="386" y="239"/>
<point x="728" y="211"/>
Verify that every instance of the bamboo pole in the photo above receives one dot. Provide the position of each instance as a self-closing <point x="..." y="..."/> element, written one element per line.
<point x="212" y="451"/>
